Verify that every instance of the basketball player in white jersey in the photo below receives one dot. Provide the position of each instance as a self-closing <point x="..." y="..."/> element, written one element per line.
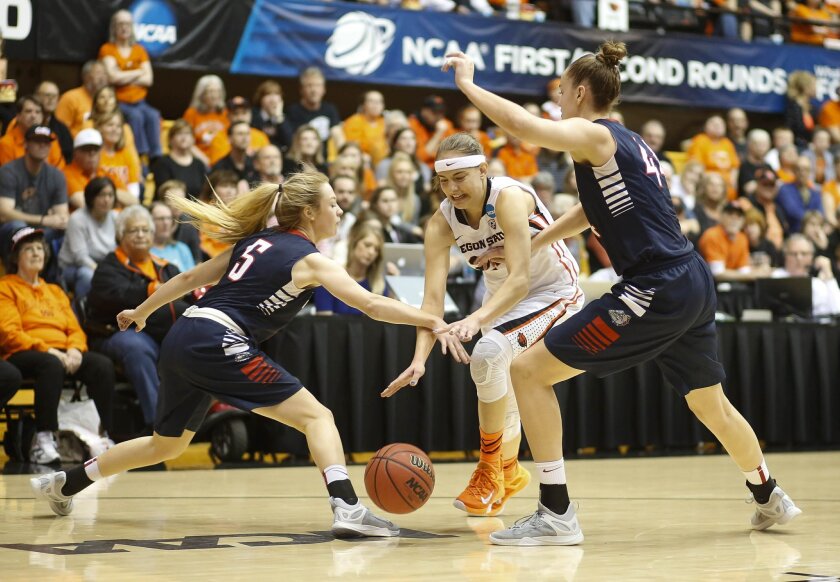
<point x="526" y="295"/>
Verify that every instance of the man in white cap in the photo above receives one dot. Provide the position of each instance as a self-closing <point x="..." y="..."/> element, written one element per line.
<point x="85" y="167"/>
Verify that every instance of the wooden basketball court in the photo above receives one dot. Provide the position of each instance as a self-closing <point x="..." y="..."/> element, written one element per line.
<point x="675" y="518"/>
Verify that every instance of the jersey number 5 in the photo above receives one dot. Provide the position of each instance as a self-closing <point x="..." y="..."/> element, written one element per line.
<point x="246" y="259"/>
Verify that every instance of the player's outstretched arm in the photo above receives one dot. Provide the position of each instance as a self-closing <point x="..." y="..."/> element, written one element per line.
<point x="207" y="273"/>
<point x="571" y="223"/>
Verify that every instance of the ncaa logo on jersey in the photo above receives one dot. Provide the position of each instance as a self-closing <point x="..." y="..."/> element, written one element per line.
<point x="490" y="211"/>
<point x="359" y="42"/>
<point x="619" y="317"/>
<point x="155" y="25"/>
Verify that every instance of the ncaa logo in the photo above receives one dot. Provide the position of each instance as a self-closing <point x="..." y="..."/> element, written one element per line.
<point x="359" y="42"/>
<point x="155" y="26"/>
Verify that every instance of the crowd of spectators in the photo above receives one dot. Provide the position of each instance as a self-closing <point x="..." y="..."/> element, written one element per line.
<point x="86" y="177"/>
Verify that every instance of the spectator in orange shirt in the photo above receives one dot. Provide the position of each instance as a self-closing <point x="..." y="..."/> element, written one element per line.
<point x="221" y="185"/>
<point x="207" y="113"/>
<point x="30" y="113"/>
<point x="75" y="105"/>
<point x="238" y="110"/>
<point x="367" y="127"/>
<point x="85" y="167"/>
<point x="521" y="165"/>
<point x="119" y="160"/>
<point x="788" y="155"/>
<point x="717" y="153"/>
<point x="809" y="33"/>
<point x="830" y="117"/>
<point x="727" y="249"/>
<point x="469" y="121"/>
<point x="47" y="93"/>
<point x="130" y="70"/>
<point x="430" y="128"/>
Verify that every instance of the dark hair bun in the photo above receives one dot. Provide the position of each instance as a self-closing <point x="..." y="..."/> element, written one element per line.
<point x="611" y="52"/>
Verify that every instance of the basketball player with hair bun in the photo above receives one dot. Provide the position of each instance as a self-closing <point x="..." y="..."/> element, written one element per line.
<point x="525" y="297"/>
<point x="259" y="285"/>
<point x="663" y="309"/>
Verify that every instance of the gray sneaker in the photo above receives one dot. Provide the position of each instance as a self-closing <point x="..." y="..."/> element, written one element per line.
<point x="779" y="509"/>
<point x="543" y="528"/>
<point x="48" y="487"/>
<point x="355" y="521"/>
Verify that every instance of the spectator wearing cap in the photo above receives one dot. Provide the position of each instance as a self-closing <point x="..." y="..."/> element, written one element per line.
<point x="726" y="248"/>
<point x="32" y="192"/>
<point x="85" y="166"/>
<point x="181" y="162"/>
<point x="239" y="110"/>
<point x="30" y="113"/>
<point x="799" y="196"/>
<point x="313" y="111"/>
<point x="430" y="127"/>
<point x="130" y="71"/>
<point x="47" y="93"/>
<point x="75" y="105"/>
<point x="764" y="200"/>
<point x="207" y="114"/>
<point x="238" y="160"/>
<point x="91" y="235"/>
<point x="367" y="127"/>
<point x="268" y="115"/>
<point x="758" y="144"/>
<point x="40" y="335"/>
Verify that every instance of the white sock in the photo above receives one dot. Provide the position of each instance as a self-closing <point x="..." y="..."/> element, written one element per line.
<point x="552" y="472"/>
<point x="759" y="475"/>
<point x="335" y="473"/>
<point x="92" y="469"/>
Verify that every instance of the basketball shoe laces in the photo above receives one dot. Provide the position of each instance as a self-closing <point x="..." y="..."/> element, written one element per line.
<point x="481" y="483"/>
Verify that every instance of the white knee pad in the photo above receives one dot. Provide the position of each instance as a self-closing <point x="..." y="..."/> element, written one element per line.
<point x="512" y="425"/>
<point x="490" y="366"/>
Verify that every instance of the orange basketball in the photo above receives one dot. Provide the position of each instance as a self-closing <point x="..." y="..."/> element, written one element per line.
<point x="399" y="478"/>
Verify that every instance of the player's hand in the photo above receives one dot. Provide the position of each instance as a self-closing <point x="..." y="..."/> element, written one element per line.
<point x="463" y="65"/>
<point x="128" y="316"/>
<point x="491" y="259"/>
<point x="465" y="329"/>
<point x="450" y="344"/>
<point x="409" y="377"/>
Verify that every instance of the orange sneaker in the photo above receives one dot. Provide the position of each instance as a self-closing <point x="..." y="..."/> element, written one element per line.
<point x="487" y="486"/>
<point x="514" y="485"/>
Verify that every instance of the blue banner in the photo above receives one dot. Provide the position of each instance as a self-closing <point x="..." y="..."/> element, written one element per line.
<point x="400" y="47"/>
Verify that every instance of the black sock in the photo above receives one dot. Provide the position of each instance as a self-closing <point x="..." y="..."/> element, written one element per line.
<point x="343" y="489"/>
<point x="76" y="480"/>
<point x="555" y="497"/>
<point x="762" y="492"/>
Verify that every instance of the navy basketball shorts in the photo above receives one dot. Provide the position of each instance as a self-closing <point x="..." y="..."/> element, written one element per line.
<point x="667" y="316"/>
<point x="201" y="360"/>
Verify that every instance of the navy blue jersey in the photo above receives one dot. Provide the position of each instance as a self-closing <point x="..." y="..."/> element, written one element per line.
<point x="628" y="203"/>
<point x="257" y="291"/>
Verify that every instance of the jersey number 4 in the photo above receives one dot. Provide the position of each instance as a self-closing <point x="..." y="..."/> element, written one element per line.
<point x="651" y="163"/>
<point x="246" y="259"/>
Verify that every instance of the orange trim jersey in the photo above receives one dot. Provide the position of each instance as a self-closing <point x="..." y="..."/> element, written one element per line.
<point x="36" y="318"/>
<point x="554" y="271"/>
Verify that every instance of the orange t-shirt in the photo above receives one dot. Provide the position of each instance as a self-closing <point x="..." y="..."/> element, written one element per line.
<point x="77" y="180"/>
<point x="220" y="146"/>
<point x="369" y="136"/>
<point x="212" y="247"/>
<point x="206" y="126"/>
<point x="519" y="164"/>
<point x="832" y="188"/>
<point x="12" y="147"/>
<point x="785" y="176"/>
<point x="74" y="108"/>
<point x="715" y="246"/>
<point x="124" y="164"/>
<point x="718" y="156"/>
<point x="135" y="59"/>
<point x="808" y="33"/>
<point x="423" y="136"/>
<point x="830" y="114"/>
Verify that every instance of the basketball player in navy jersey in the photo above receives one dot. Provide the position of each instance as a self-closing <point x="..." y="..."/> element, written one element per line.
<point x="259" y="285"/>
<point x="662" y="310"/>
<point x="525" y="297"/>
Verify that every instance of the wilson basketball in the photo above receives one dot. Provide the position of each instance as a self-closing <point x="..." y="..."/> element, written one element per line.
<point x="399" y="478"/>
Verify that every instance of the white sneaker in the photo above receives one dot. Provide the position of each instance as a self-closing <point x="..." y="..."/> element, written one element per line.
<point x="543" y="528"/>
<point x="48" y="488"/>
<point x="353" y="521"/>
<point x="779" y="509"/>
<point x="43" y="450"/>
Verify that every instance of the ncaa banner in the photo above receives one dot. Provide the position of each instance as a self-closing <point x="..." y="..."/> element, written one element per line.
<point x="399" y="47"/>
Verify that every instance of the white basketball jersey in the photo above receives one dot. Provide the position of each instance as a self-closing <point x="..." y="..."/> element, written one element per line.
<point x="554" y="271"/>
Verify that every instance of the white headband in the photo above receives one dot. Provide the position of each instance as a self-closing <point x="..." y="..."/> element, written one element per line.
<point x="459" y="163"/>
